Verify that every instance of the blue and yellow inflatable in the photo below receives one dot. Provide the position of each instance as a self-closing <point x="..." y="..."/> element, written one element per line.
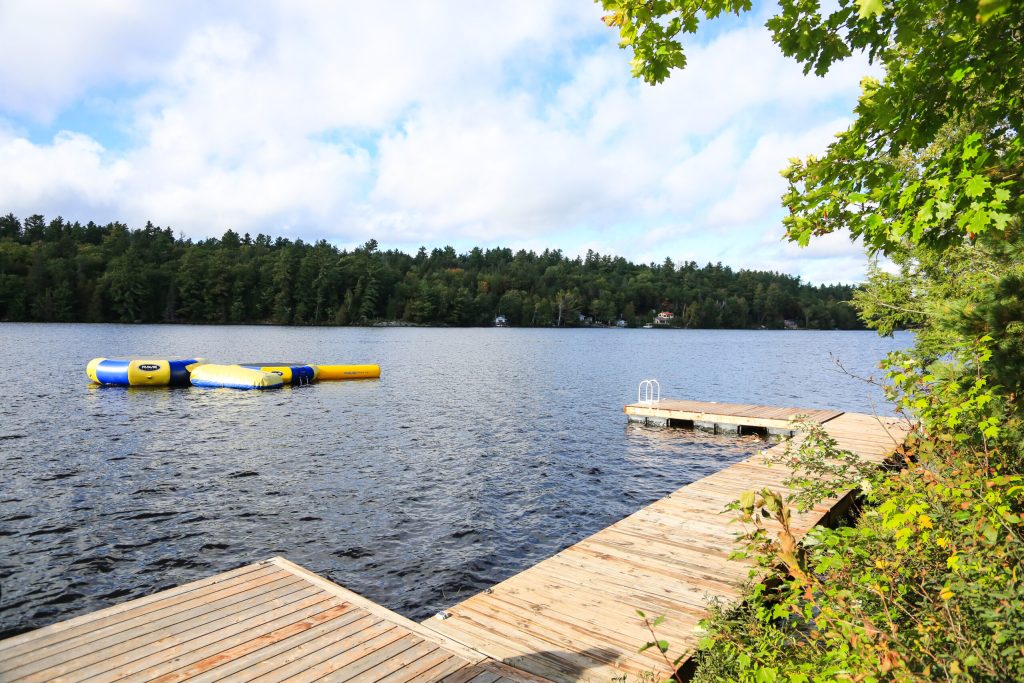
<point x="290" y="373"/>
<point x="146" y="372"/>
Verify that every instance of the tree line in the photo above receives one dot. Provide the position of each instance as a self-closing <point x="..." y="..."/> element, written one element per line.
<point x="61" y="271"/>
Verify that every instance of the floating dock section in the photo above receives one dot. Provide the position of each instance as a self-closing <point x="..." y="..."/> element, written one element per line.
<point x="571" y="617"/>
<point x="724" y="418"/>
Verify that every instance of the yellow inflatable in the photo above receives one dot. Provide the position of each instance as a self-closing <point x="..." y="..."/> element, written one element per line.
<point x="234" y="377"/>
<point x="336" y="372"/>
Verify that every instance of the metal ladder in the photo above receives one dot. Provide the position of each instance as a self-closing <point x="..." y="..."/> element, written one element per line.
<point x="648" y="392"/>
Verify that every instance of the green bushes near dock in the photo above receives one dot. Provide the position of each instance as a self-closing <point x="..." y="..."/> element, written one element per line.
<point x="924" y="585"/>
<point x="927" y="581"/>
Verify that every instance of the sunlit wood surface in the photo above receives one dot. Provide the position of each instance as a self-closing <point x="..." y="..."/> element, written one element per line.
<point x="270" y="621"/>
<point x="573" y="616"/>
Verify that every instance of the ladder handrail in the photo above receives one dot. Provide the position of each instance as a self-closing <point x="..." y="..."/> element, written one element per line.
<point x="648" y="392"/>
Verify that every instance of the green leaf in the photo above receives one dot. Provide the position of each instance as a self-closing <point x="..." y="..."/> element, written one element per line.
<point x="976" y="186"/>
<point x="990" y="9"/>
<point x="979" y="220"/>
<point x="869" y="8"/>
<point x="959" y="74"/>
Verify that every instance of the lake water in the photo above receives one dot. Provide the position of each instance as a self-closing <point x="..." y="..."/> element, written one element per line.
<point x="479" y="452"/>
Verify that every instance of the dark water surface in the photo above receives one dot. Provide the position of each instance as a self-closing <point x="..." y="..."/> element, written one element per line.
<point x="479" y="453"/>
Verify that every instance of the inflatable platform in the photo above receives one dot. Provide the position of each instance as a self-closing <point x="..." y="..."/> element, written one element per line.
<point x="235" y="377"/>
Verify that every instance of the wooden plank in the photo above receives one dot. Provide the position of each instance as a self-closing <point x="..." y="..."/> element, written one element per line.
<point x="89" y="623"/>
<point x="181" y="653"/>
<point x="252" y="645"/>
<point x="511" y="675"/>
<point x="564" y="631"/>
<point x="473" y="673"/>
<point x="524" y="652"/>
<point x="414" y="665"/>
<point x="204" y="648"/>
<point x="289" y="664"/>
<point x="609" y="607"/>
<point x="418" y="673"/>
<point x="96" y="656"/>
<point x="383" y="612"/>
<point x="360" y="659"/>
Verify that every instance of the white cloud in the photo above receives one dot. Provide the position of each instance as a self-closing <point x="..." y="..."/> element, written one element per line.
<point x="78" y="175"/>
<point x="54" y="53"/>
<point x="441" y="123"/>
<point x="757" y="183"/>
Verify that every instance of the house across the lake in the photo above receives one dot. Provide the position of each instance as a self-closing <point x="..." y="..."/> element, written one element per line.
<point x="664" y="318"/>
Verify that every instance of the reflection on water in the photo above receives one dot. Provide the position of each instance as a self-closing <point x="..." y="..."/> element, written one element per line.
<point x="477" y="454"/>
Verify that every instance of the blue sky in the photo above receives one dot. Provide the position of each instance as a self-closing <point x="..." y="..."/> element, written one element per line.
<point x="430" y="123"/>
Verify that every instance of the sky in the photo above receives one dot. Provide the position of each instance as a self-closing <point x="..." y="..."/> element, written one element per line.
<point x="427" y="123"/>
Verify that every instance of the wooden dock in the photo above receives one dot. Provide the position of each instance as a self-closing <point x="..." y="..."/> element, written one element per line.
<point x="571" y="617"/>
<point x="731" y="416"/>
<point x="270" y="621"/>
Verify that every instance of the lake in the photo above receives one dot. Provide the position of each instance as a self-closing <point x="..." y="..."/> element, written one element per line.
<point x="478" y="453"/>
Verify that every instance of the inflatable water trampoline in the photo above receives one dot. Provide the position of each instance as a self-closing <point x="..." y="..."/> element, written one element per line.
<point x="212" y="375"/>
<point x="147" y="372"/>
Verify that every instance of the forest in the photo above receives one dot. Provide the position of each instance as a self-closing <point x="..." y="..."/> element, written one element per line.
<point x="60" y="271"/>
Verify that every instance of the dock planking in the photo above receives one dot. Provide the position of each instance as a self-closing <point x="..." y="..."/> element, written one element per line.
<point x="570" y="617"/>
<point x="739" y="414"/>
<point x="573" y="616"/>
<point x="269" y="621"/>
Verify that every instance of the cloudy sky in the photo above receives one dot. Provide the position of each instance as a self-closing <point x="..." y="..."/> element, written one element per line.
<point x="415" y="123"/>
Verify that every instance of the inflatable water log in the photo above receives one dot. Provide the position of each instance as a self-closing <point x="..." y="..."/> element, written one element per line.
<point x="339" y="372"/>
<point x="234" y="377"/>
<point x="290" y="373"/>
<point x="144" y="372"/>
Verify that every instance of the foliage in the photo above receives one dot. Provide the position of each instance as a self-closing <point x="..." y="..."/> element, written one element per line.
<point x="60" y="271"/>
<point x="820" y="470"/>
<point x="954" y="296"/>
<point x="926" y="584"/>
<point x="934" y="152"/>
